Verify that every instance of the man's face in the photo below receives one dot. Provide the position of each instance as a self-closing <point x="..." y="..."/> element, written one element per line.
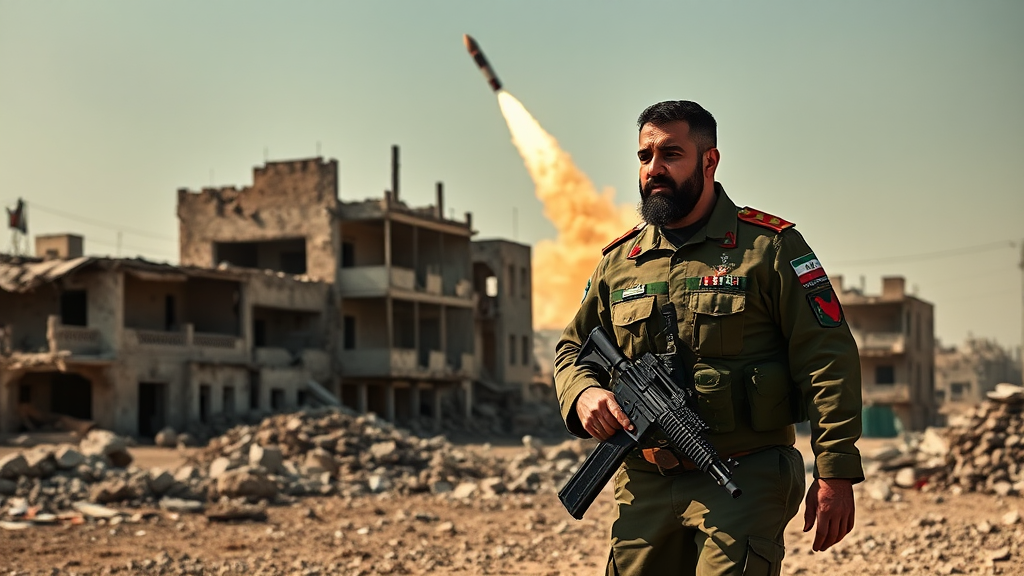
<point x="671" y="173"/>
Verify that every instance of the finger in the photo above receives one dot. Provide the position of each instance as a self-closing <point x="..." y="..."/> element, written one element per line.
<point x="810" y="512"/>
<point x="621" y="417"/>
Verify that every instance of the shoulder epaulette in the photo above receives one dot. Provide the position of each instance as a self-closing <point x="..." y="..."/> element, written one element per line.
<point x="748" y="214"/>
<point x="632" y="232"/>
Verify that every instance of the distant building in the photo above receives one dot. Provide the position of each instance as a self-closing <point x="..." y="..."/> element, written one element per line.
<point x="895" y="337"/>
<point x="135" y="346"/>
<point x="965" y="373"/>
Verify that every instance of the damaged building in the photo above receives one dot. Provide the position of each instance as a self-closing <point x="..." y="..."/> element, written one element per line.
<point x="283" y="291"/>
<point x="405" y="294"/>
<point x="134" y="346"/>
<point x="895" y="334"/>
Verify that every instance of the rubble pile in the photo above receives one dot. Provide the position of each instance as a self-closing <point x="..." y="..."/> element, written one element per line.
<point x="987" y="450"/>
<point x="983" y="451"/>
<point x="326" y="451"/>
<point x="332" y="450"/>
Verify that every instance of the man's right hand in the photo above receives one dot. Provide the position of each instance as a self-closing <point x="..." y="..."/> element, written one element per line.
<point x="600" y="414"/>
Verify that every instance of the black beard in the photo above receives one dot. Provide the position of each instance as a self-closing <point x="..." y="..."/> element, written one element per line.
<point x="665" y="208"/>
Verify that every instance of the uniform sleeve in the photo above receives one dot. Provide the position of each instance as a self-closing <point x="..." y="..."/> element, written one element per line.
<point x="571" y="380"/>
<point x="823" y="357"/>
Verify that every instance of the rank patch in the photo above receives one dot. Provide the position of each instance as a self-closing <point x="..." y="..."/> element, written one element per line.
<point x="825" y="305"/>
<point x="809" y="271"/>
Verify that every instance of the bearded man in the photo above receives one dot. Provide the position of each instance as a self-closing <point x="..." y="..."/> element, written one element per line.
<point x="737" y="306"/>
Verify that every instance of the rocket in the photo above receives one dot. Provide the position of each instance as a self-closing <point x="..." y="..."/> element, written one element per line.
<point x="481" y="61"/>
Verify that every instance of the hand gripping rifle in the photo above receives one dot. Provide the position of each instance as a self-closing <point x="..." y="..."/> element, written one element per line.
<point x="645" y="392"/>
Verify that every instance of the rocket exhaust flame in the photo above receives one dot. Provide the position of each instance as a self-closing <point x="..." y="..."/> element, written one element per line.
<point x="585" y="220"/>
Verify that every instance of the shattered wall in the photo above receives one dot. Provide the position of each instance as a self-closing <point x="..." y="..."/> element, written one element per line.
<point x="295" y="199"/>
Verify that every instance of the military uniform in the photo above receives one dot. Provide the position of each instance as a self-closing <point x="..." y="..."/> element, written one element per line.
<point x="744" y="312"/>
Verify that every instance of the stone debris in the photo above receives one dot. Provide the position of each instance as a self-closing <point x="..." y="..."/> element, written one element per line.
<point x="982" y="452"/>
<point x="323" y="451"/>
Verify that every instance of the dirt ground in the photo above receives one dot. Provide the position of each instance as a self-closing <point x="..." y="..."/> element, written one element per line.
<point x="923" y="533"/>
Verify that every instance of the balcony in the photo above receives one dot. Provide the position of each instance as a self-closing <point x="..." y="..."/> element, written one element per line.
<point x="880" y="343"/>
<point x="887" y="394"/>
<point x="403" y="363"/>
<point x="77" y="340"/>
<point x="188" y="341"/>
<point x="364" y="281"/>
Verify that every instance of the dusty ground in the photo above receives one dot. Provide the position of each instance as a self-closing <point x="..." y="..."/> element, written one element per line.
<point x="925" y="533"/>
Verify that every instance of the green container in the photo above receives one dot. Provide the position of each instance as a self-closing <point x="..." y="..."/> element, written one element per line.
<point x="879" y="422"/>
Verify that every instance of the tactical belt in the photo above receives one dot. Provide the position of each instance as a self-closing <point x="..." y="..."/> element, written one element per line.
<point x="670" y="464"/>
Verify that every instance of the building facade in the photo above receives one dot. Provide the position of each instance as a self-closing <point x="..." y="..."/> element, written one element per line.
<point x="895" y="337"/>
<point x="135" y="346"/>
<point x="965" y="373"/>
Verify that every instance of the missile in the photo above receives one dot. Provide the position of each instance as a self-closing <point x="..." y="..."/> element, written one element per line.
<point x="481" y="61"/>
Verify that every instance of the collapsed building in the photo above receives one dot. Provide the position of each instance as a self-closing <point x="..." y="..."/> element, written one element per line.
<point x="134" y="346"/>
<point x="284" y="291"/>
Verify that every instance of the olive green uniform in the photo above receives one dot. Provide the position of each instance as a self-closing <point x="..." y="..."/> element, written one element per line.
<point x="759" y="332"/>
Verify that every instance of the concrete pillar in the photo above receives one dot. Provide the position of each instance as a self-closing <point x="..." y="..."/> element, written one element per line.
<point x="363" y="399"/>
<point x="9" y="400"/>
<point x="436" y="391"/>
<point x="467" y="395"/>
<point x="389" y="402"/>
<point x="414" y="401"/>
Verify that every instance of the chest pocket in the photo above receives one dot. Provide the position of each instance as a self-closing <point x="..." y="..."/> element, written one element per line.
<point x="718" y="323"/>
<point x="634" y="322"/>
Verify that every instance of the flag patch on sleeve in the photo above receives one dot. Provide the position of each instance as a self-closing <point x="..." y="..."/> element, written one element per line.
<point x="809" y="271"/>
<point x="825" y="305"/>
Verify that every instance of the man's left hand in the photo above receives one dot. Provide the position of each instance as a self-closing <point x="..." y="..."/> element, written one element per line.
<point x="830" y="502"/>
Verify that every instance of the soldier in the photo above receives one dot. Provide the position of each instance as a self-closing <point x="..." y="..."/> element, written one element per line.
<point x="737" y="305"/>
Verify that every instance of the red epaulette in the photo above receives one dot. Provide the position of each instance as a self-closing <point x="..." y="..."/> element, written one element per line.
<point x="748" y="214"/>
<point x="632" y="232"/>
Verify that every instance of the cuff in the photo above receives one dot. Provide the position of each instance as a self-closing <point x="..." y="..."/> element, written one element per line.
<point x="837" y="465"/>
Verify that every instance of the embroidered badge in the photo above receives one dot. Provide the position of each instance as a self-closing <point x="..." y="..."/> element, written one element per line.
<point x="633" y="292"/>
<point x="809" y="271"/>
<point x="730" y="240"/>
<point x="725" y="267"/>
<point x="586" y="290"/>
<point x="825" y="305"/>
<point x="639" y="291"/>
<point x="634" y="252"/>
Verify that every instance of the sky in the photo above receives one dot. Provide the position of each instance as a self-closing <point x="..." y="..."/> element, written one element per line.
<point x="891" y="133"/>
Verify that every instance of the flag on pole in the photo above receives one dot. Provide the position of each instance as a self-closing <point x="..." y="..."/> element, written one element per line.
<point x="16" y="219"/>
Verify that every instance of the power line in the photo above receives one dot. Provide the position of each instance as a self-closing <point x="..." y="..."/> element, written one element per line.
<point x="932" y="255"/>
<point x="94" y="222"/>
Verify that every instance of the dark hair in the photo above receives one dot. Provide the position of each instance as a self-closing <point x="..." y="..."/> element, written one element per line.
<point x="703" y="128"/>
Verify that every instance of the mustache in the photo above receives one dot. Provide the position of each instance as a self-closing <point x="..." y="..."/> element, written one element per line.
<point x="658" y="181"/>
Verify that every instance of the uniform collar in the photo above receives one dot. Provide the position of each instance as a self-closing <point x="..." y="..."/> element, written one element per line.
<point x="721" y="227"/>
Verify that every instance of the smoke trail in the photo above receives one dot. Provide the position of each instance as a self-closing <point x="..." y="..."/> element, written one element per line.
<point x="585" y="220"/>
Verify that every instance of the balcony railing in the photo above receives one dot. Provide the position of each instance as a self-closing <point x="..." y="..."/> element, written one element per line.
<point x="402" y="362"/>
<point x="78" y="340"/>
<point x="880" y="343"/>
<point x="887" y="394"/>
<point x="186" y="338"/>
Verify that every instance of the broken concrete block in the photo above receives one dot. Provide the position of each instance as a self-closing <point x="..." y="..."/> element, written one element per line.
<point x="13" y="466"/>
<point x="111" y="491"/>
<point x="242" y="482"/>
<point x="68" y="457"/>
<point x="159" y="481"/>
<point x="268" y="457"/>
<point x="106" y="443"/>
<point x="166" y="438"/>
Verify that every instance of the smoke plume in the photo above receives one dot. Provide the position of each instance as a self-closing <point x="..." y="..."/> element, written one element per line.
<point x="585" y="220"/>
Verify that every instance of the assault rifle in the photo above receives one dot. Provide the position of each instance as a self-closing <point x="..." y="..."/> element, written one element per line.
<point x="651" y="400"/>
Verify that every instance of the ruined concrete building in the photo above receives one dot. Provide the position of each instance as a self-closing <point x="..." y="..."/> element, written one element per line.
<point x="134" y="346"/>
<point x="404" y="305"/>
<point x="965" y="373"/>
<point x="895" y="336"/>
<point x="283" y="290"/>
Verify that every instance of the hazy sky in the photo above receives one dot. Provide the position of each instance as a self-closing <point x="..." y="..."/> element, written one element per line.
<point x="892" y="133"/>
